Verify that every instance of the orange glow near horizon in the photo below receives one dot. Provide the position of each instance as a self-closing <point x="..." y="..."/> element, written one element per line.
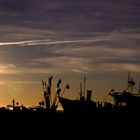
<point x="30" y="93"/>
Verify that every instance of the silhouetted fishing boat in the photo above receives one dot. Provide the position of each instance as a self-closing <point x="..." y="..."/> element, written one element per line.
<point x="125" y="101"/>
<point x="83" y="104"/>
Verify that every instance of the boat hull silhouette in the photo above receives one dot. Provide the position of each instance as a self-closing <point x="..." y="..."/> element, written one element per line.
<point x="126" y="101"/>
<point x="77" y="106"/>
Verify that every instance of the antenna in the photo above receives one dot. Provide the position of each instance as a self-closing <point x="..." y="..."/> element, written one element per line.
<point x="13" y="104"/>
<point x="139" y="88"/>
<point x="66" y="87"/>
<point x="80" y="90"/>
<point x="131" y="83"/>
<point x="128" y="80"/>
<point x="43" y="86"/>
<point x="50" y="85"/>
<point x="84" y="85"/>
<point x="58" y="90"/>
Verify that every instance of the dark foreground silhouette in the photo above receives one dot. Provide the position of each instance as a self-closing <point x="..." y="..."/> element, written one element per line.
<point x="82" y="116"/>
<point x="48" y="125"/>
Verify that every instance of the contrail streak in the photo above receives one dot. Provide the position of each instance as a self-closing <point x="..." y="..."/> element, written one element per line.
<point x="49" y="42"/>
<point x="53" y="42"/>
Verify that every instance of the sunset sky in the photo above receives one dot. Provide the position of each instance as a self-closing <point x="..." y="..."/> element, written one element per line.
<point x="68" y="39"/>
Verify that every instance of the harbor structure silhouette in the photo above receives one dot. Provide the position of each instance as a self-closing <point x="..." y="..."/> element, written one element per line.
<point x="124" y="101"/>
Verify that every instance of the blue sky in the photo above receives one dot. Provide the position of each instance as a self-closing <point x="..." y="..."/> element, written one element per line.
<point x="69" y="39"/>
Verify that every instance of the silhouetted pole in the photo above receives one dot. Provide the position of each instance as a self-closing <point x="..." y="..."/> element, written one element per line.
<point x="44" y="92"/>
<point x="13" y="104"/>
<point x="57" y="93"/>
<point x="63" y="92"/>
<point x="108" y="95"/>
<point x="128" y="79"/>
<point x="84" y="85"/>
<point x="50" y="85"/>
<point x="105" y="98"/>
<point x="43" y="85"/>
<point x="66" y="87"/>
<point x="139" y="88"/>
<point x="80" y="90"/>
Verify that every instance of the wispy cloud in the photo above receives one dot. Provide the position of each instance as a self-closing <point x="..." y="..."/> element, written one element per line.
<point x="8" y="69"/>
<point x="113" y="36"/>
<point x="12" y="69"/>
<point x="24" y="82"/>
<point x="119" y="67"/>
<point x="92" y="59"/>
<point x="66" y="64"/>
<point x="81" y="55"/>
<point x="17" y="82"/>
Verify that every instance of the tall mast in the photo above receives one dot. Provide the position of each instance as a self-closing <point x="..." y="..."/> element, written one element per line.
<point x="50" y="85"/>
<point x="13" y="104"/>
<point x="43" y="86"/>
<point x="80" y="90"/>
<point x="84" y="85"/>
<point x="131" y="83"/>
<point x="128" y="79"/>
<point x="139" y="88"/>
